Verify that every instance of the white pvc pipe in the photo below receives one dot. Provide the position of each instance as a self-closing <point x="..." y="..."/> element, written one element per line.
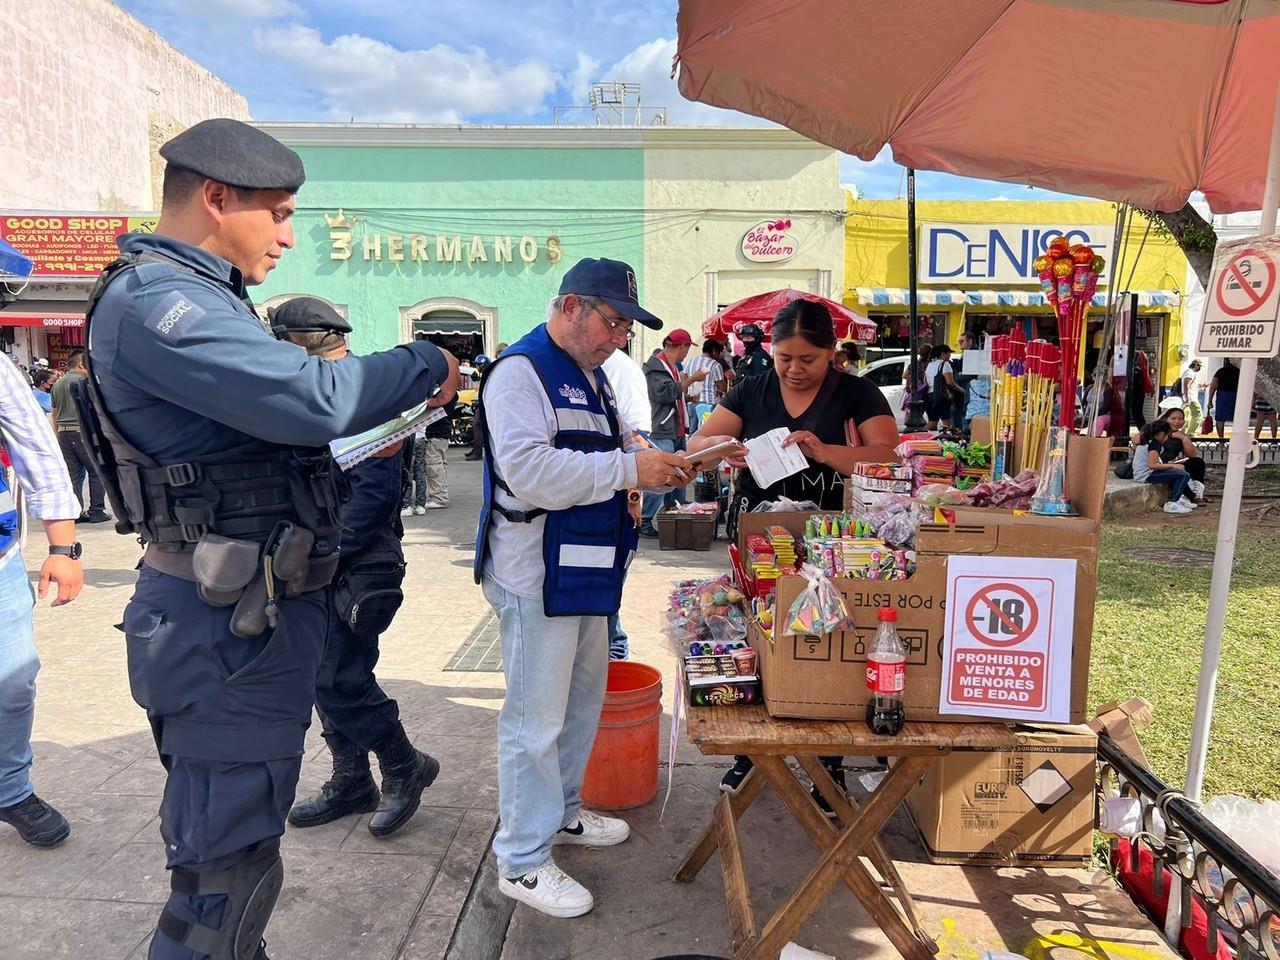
<point x="1237" y="454"/>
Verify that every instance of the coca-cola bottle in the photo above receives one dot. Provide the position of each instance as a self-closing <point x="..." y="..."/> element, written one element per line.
<point x="886" y="677"/>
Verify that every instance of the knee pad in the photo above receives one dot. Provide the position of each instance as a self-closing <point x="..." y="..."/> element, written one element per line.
<point x="251" y="888"/>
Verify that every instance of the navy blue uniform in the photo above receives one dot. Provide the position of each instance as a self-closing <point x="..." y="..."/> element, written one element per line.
<point x="353" y="709"/>
<point x="186" y="369"/>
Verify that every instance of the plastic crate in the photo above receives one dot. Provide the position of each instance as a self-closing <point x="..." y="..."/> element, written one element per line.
<point x="685" y="531"/>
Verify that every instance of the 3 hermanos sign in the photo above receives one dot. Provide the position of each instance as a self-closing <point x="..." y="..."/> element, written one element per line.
<point x="369" y="246"/>
<point x="998" y="252"/>
<point x="769" y="242"/>
<point x="1242" y="311"/>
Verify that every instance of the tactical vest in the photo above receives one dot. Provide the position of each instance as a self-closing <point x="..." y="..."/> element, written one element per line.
<point x="244" y="494"/>
<point x="585" y="549"/>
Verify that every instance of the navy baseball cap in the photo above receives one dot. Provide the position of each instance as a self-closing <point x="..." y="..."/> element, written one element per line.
<point x="612" y="281"/>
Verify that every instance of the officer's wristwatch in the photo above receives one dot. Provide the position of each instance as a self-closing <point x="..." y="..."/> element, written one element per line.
<point x="73" y="550"/>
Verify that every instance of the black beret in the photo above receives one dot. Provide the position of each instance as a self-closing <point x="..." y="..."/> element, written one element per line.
<point x="305" y="315"/>
<point x="236" y="154"/>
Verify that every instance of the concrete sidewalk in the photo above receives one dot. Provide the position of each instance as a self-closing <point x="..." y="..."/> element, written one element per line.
<point x="350" y="897"/>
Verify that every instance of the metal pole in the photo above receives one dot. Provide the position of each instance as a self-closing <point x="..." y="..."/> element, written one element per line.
<point x="1237" y="454"/>
<point x="915" y="412"/>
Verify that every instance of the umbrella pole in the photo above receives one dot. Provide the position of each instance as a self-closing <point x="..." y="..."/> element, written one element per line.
<point x="915" y="412"/>
<point x="1238" y="454"/>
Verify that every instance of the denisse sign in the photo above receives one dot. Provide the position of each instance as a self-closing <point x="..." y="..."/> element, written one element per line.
<point x="999" y="252"/>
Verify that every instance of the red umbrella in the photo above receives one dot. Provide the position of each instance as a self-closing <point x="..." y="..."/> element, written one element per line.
<point x="762" y="308"/>
<point x="1135" y="100"/>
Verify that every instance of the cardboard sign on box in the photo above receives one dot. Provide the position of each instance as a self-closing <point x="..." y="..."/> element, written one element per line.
<point x="1030" y="805"/>
<point x="825" y="677"/>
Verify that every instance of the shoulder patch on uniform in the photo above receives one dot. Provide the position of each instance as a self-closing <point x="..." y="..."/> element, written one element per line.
<point x="172" y="315"/>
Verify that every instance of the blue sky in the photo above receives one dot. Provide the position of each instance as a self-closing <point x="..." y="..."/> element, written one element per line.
<point x="483" y="61"/>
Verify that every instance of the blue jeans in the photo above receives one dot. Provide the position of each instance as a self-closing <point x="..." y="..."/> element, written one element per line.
<point x="1176" y="479"/>
<point x="619" y="642"/>
<point x="18" y="668"/>
<point x="653" y="502"/>
<point x="555" y="669"/>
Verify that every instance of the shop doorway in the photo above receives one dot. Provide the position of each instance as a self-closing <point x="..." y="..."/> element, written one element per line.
<point x="463" y="327"/>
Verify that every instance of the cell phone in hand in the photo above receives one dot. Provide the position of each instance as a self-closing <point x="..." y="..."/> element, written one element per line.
<point x="710" y="453"/>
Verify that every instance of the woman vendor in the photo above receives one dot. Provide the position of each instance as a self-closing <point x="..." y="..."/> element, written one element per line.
<point x="835" y="420"/>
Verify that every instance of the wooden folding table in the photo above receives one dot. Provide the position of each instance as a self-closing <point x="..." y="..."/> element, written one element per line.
<point x="750" y="731"/>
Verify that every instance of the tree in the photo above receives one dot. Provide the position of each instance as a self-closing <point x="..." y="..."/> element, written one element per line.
<point x="1198" y="240"/>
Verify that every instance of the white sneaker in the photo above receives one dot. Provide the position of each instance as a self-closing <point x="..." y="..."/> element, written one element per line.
<point x="407" y="512"/>
<point x="1189" y="504"/>
<point x="419" y="511"/>
<point x="1197" y="488"/>
<point x="549" y="890"/>
<point x="436" y="505"/>
<point x="1175" y="506"/>
<point x="593" y="830"/>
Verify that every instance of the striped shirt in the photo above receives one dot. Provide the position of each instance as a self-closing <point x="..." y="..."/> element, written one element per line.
<point x="705" y="390"/>
<point x="29" y="440"/>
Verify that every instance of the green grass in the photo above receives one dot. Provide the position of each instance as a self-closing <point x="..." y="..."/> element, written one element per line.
<point x="1148" y="636"/>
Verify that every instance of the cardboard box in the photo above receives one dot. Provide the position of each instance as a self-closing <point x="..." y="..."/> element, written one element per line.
<point x="824" y="677"/>
<point x="995" y="808"/>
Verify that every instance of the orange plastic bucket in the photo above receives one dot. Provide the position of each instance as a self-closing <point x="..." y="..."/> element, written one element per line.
<point x="623" y="769"/>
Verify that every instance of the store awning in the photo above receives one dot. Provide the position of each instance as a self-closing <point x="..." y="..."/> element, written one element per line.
<point x="14" y="264"/>
<point x="898" y="296"/>
<point x="25" y="318"/>
<point x="450" y="326"/>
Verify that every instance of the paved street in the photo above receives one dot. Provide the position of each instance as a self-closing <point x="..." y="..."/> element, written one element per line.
<point x="351" y="897"/>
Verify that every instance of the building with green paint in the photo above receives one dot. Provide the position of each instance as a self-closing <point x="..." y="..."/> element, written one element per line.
<point x="465" y="232"/>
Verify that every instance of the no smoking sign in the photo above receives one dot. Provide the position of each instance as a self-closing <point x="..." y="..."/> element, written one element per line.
<point x="1008" y="641"/>
<point x="1242" y="315"/>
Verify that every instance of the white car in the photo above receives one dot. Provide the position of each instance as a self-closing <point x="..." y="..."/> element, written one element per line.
<point x="887" y="375"/>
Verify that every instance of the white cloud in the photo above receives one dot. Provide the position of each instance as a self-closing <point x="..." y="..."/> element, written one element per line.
<point x="650" y="65"/>
<point x="578" y="82"/>
<point x="358" y="76"/>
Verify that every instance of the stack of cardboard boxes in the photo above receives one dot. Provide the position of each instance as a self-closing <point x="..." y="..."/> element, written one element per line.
<point x="1035" y="804"/>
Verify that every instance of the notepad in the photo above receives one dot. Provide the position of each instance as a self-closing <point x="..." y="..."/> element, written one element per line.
<point x="348" y="451"/>
<point x="769" y="461"/>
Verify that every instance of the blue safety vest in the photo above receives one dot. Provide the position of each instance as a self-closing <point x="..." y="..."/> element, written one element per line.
<point x="586" y="549"/>
<point x="9" y="520"/>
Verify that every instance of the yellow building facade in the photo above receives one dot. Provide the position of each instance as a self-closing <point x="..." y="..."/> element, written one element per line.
<point x="975" y="271"/>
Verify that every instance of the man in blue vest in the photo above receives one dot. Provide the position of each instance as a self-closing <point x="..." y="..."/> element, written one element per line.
<point x="37" y="465"/>
<point x="553" y="544"/>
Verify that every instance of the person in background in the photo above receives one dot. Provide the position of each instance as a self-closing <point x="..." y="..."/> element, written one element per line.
<point x="942" y="387"/>
<point x="921" y="388"/>
<point x="835" y="420"/>
<point x="979" y="404"/>
<point x="667" y="389"/>
<point x="960" y="406"/>
<point x="1222" y="395"/>
<point x="1142" y="387"/>
<point x="1265" y="413"/>
<point x="705" y="394"/>
<point x="1149" y="467"/>
<point x="497" y="351"/>
<point x="1189" y="389"/>
<point x="41" y="383"/>
<point x="477" y="422"/>
<point x="414" y="496"/>
<point x="755" y="360"/>
<point x="39" y="470"/>
<point x="631" y="394"/>
<point x="1179" y="448"/>
<point x="356" y="716"/>
<point x="76" y="455"/>
<point x="853" y="357"/>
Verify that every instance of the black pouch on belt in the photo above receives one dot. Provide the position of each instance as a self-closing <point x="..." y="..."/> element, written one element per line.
<point x="223" y="568"/>
<point x="290" y="557"/>
<point x="249" y="618"/>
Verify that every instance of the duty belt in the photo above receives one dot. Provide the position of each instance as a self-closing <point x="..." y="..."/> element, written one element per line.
<point x="180" y="564"/>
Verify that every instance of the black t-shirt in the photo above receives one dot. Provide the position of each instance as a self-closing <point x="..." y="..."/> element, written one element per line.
<point x="758" y="401"/>
<point x="1228" y="377"/>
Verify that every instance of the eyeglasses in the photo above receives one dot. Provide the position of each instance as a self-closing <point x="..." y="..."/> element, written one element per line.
<point x="616" y="326"/>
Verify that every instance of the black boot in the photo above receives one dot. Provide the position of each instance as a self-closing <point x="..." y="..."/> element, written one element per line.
<point x="406" y="772"/>
<point x="350" y="790"/>
<point x="36" y="822"/>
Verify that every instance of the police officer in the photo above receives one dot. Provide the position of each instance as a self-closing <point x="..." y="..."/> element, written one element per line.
<point x="212" y="436"/>
<point x="755" y="360"/>
<point x="356" y="715"/>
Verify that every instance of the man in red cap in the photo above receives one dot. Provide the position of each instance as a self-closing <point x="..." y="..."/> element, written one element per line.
<point x="668" y="385"/>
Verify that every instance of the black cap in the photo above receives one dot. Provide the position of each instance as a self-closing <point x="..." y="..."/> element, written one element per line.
<point x="236" y="154"/>
<point x="305" y="315"/>
<point x="612" y="281"/>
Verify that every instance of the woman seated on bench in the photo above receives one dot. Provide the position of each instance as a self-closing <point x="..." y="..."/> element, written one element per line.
<point x="1155" y="444"/>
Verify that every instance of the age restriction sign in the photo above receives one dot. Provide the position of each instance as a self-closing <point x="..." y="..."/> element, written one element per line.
<point x="1007" y="644"/>
<point x="1242" y="313"/>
